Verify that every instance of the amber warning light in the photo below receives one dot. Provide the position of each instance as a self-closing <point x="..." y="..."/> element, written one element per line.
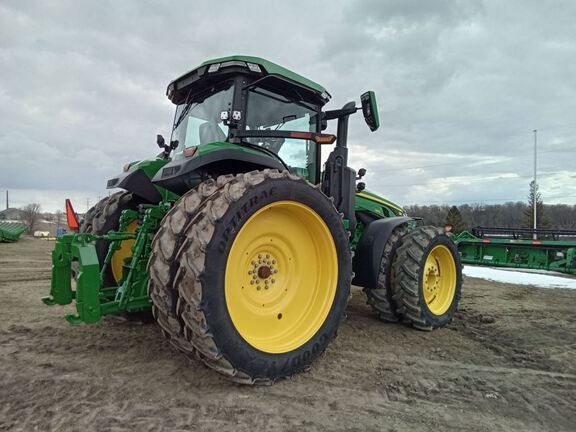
<point x="71" y="216"/>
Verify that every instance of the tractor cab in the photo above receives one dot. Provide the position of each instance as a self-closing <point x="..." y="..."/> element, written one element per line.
<point x="237" y="114"/>
<point x="247" y="101"/>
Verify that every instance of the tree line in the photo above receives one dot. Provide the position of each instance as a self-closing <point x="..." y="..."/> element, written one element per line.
<point x="508" y="215"/>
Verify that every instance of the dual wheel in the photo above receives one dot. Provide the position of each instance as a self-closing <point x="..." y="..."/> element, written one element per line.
<point x="420" y="278"/>
<point x="250" y="274"/>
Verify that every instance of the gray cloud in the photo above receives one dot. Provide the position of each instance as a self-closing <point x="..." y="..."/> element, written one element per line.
<point x="460" y="84"/>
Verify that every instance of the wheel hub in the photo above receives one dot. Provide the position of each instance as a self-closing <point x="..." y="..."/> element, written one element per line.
<point x="432" y="279"/>
<point x="439" y="280"/>
<point x="262" y="269"/>
<point x="264" y="272"/>
<point x="281" y="276"/>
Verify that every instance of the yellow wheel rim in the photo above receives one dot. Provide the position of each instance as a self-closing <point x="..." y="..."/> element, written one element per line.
<point x="125" y="251"/>
<point x="439" y="279"/>
<point x="281" y="277"/>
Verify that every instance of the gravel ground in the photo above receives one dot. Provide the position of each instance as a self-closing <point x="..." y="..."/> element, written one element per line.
<point x="506" y="363"/>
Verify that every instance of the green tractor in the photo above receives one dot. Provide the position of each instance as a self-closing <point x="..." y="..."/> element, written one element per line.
<point x="241" y="247"/>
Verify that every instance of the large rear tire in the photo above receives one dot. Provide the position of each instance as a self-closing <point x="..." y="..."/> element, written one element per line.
<point x="262" y="274"/>
<point x="162" y="265"/>
<point x="428" y="278"/>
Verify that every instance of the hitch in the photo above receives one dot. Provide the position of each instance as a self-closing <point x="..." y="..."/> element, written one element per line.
<point x="93" y="300"/>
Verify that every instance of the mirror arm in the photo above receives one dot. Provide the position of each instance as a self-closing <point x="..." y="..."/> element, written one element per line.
<point x="342" y="133"/>
<point x="336" y="114"/>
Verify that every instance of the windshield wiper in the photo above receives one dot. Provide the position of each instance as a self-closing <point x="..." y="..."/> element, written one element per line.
<point x="286" y="119"/>
<point x="198" y="99"/>
<point x="183" y="114"/>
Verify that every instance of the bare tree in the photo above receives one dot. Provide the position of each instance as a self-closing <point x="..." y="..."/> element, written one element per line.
<point x="31" y="215"/>
<point x="58" y="217"/>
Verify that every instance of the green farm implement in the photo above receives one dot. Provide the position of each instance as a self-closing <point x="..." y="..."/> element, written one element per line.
<point x="11" y="231"/>
<point x="519" y="248"/>
<point x="239" y="243"/>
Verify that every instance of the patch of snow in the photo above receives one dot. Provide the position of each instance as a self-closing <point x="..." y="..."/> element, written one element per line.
<point x="514" y="276"/>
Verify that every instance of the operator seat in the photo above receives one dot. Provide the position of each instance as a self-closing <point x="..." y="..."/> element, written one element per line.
<point x="211" y="132"/>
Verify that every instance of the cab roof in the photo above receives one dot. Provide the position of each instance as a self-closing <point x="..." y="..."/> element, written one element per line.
<point x="271" y="68"/>
<point x="247" y="63"/>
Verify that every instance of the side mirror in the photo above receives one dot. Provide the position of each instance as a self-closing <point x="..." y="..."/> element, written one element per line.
<point x="370" y="110"/>
<point x="160" y="141"/>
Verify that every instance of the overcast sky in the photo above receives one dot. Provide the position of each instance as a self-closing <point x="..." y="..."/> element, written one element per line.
<point x="460" y="84"/>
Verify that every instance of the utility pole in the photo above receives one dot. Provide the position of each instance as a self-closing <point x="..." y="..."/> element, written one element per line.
<point x="535" y="131"/>
<point x="7" y="202"/>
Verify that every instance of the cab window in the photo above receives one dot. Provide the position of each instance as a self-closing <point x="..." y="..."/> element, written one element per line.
<point x="267" y="110"/>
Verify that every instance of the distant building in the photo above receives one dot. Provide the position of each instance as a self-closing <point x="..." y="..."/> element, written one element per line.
<point x="10" y="214"/>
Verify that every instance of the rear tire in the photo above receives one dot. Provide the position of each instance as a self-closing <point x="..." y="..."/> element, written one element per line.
<point x="428" y="278"/>
<point x="162" y="265"/>
<point x="215" y="311"/>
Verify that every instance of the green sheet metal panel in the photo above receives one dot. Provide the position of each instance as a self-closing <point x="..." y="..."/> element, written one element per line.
<point x="555" y="255"/>
<point x="11" y="231"/>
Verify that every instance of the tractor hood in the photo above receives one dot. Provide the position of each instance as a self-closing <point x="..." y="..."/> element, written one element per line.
<point x="183" y="173"/>
<point x="136" y="178"/>
<point x="373" y="203"/>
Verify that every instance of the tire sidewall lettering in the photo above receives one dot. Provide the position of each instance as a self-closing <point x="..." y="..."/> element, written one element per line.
<point x="246" y="210"/>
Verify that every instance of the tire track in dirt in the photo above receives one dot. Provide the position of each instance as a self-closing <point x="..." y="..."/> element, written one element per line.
<point x="506" y="363"/>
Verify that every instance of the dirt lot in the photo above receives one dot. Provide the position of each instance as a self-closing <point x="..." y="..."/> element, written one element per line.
<point x="508" y="362"/>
